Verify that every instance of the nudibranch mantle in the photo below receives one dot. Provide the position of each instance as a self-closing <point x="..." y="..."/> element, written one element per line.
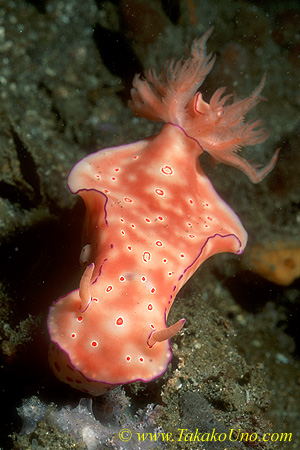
<point x="152" y="218"/>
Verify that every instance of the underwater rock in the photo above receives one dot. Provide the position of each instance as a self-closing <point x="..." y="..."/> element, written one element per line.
<point x="119" y="429"/>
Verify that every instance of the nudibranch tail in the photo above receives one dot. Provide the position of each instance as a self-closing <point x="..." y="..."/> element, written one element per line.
<point x="167" y="333"/>
<point x="84" y="287"/>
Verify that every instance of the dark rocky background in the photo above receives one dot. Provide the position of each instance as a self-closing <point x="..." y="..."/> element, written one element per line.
<point x="65" y="75"/>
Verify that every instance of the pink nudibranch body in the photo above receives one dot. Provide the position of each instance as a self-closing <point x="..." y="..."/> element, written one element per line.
<point x="152" y="217"/>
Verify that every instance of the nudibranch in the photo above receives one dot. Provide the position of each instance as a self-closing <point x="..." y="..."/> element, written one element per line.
<point x="152" y="217"/>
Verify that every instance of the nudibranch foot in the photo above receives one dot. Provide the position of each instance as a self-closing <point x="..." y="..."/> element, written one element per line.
<point x="64" y="370"/>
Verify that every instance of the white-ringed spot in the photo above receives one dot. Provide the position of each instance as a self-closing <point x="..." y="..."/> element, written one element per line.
<point x="122" y="220"/>
<point x="94" y="299"/>
<point x="147" y="220"/>
<point x="94" y="344"/>
<point x="206" y="226"/>
<point x="109" y="288"/>
<point x="113" y="178"/>
<point x="143" y="278"/>
<point x="182" y="255"/>
<point x="170" y="274"/>
<point x="122" y="278"/>
<point x="165" y="260"/>
<point x="152" y="290"/>
<point x="122" y="232"/>
<point x="128" y="358"/>
<point x="117" y="169"/>
<point x="132" y="225"/>
<point x="160" y="218"/>
<point x="106" y="191"/>
<point x="146" y="256"/>
<point x="135" y="157"/>
<point x="97" y="176"/>
<point x="79" y="319"/>
<point x="167" y="170"/>
<point x="158" y="243"/>
<point x="159" y="191"/>
<point x="191" y="236"/>
<point x="120" y="321"/>
<point x="150" y="307"/>
<point x="191" y="201"/>
<point x="141" y="359"/>
<point x="128" y="200"/>
<point x="209" y="218"/>
<point x="152" y="326"/>
<point x="189" y="224"/>
<point x="129" y="247"/>
<point x="73" y="335"/>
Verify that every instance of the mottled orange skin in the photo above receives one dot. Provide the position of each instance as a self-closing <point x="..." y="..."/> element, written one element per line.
<point x="152" y="217"/>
